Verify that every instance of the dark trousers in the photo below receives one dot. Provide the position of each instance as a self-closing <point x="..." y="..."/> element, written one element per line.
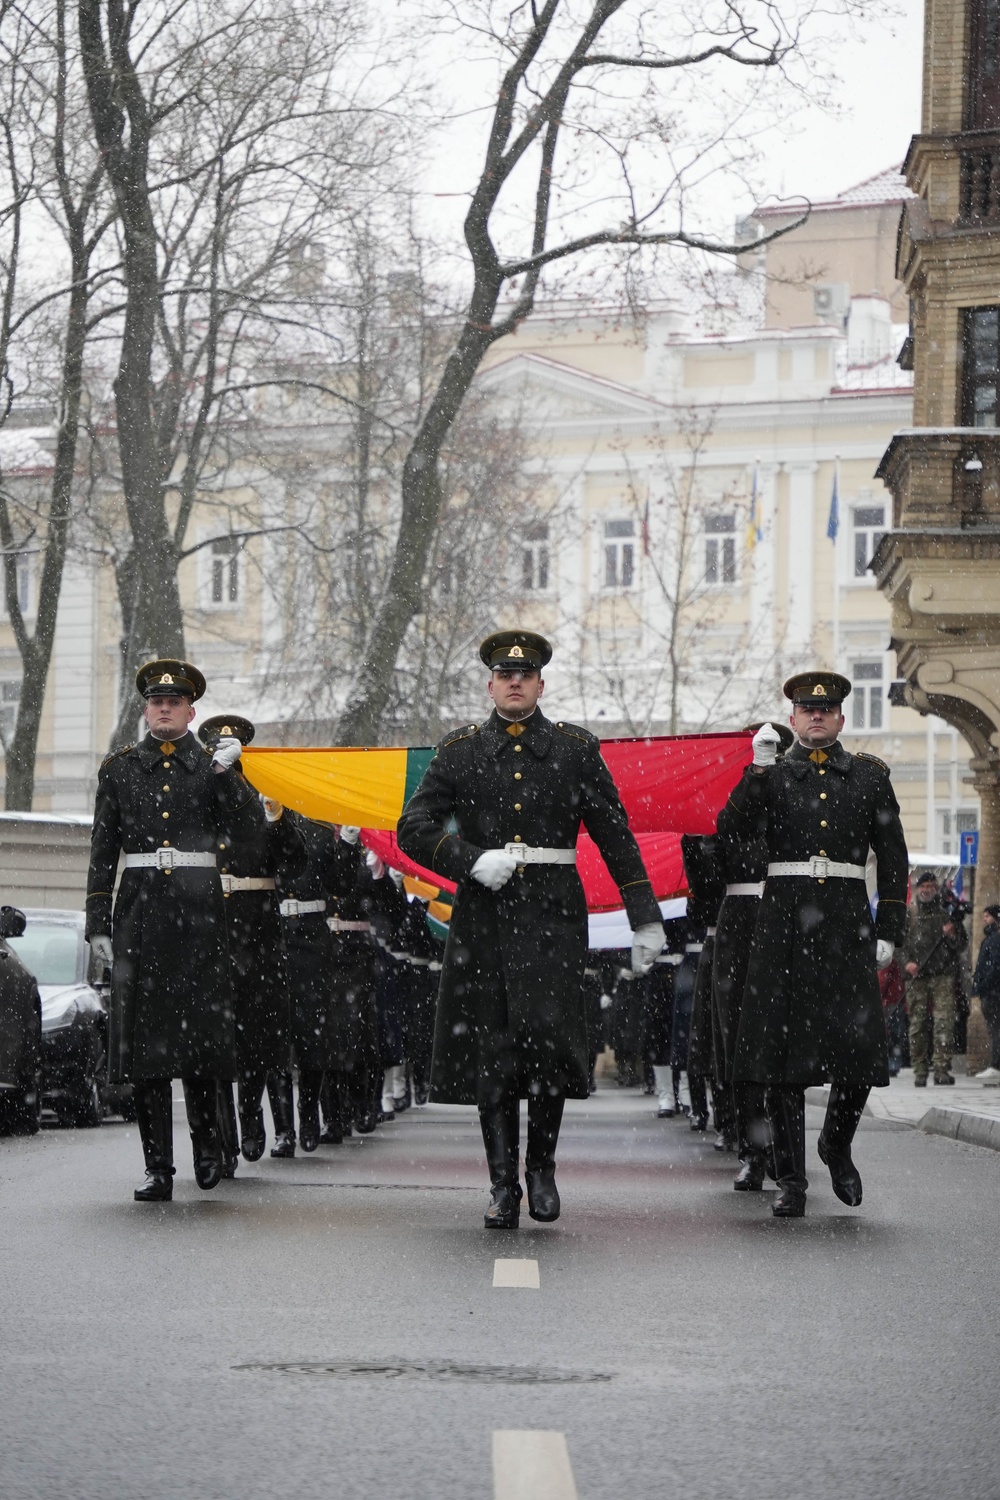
<point x="991" y="1015"/>
<point x="786" y="1113"/>
<point x="500" y="1124"/>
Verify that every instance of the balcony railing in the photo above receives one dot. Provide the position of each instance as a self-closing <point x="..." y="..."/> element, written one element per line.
<point x="979" y="201"/>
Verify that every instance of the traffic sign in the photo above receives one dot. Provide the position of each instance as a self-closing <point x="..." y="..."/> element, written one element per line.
<point x="970" y="848"/>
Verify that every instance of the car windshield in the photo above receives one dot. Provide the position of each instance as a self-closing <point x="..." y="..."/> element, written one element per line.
<point x="52" y="953"/>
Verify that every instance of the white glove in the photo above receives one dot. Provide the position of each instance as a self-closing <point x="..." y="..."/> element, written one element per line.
<point x="374" y="864"/>
<point x="227" y="752"/>
<point x="606" y="1002"/>
<point x="349" y="834"/>
<point x="646" y="944"/>
<point x="100" y="947"/>
<point x="396" y="876"/>
<point x="883" y="953"/>
<point x="765" y="745"/>
<point x="272" y="809"/>
<point x="494" y="868"/>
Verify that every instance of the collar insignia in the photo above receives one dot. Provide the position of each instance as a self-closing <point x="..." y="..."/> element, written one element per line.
<point x="819" y="756"/>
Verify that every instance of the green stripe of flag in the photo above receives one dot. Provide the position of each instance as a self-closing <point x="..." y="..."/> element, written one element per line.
<point x="417" y="762"/>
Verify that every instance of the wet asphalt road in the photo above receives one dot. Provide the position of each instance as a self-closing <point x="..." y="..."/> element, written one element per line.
<point x="685" y="1342"/>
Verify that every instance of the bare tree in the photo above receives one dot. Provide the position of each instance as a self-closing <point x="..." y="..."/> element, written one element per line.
<point x="47" y="327"/>
<point x="233" y="136"/>
<point x="329" y="575"/>
<point x="567" y="93"/>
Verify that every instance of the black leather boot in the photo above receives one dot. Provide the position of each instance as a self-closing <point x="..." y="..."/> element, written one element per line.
<point x="843" y="1114"/>
<point x="332" y="1133"/>
<point x="752" y="1136"/>
<point x="697" y="1087"/>
<point x="279" y="1096"/>
<point x="787" y="1116"/>
<point x="201" y="1099"/>
<point x="310" y="1084"/>
<point x="545" y="1112"/>
<point x="252" y="1136"/>
<point x="500" y="1127"/>
<point x="229" y="1136"/>
<point x="154" y="1116"/>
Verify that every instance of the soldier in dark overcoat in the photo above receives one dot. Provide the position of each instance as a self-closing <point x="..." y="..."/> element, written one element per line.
<point x="167" y="804"/>
<point x="743" y="865"/>
<point x="499" y="810"/>
<point x="351" y="1079"/>
<point x="321" y="1022"/>
<point x="705" y="891"/>
<point x="659" y="1018"/>
<point x="812" y="1009"/>
<point x="249" y="873"/>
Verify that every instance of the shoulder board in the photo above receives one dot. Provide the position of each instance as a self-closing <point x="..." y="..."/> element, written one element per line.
<point x="576" y="732"/>
<point x="460" y="734"/>
<point x="115" y="755"/>
<point x="872" y="760"/>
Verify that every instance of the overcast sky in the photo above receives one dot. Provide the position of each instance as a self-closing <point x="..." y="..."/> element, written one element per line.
<point x="880" y="111"/>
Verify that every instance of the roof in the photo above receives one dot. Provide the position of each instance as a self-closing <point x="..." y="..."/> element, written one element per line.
<point x="885" y="188"/>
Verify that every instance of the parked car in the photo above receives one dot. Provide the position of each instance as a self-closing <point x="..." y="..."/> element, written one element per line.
<point x="73" y="989"/>
<point x="20" y="1032"/>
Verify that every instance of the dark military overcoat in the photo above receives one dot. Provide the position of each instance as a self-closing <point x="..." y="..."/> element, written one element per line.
<point x="740" y="862"/>
<point x="257" y="949"/>
<point x="353" y="958"/>
<point x="812" y="1009"/>
<point x="321" y="1020"/>
<point x="511" y="1008"/>
<point x="171" y="994"/>
<point x="705" y="887"/>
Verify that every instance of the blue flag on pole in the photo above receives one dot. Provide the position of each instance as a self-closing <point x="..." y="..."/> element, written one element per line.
<point x="833" y="523"/>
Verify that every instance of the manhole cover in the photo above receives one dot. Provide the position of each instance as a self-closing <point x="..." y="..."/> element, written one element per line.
<point x="394" y="1369"/>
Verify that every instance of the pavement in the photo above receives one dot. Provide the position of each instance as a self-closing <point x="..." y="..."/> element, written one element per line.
<point x="341" y="1327"/>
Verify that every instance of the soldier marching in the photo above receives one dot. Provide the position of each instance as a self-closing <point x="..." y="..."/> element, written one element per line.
<point x="246" y="941"/>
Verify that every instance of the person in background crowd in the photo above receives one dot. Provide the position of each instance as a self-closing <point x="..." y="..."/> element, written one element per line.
<point x="660" y="1016"/>
<point x="320" y="1026"/>
<point x="706" y="887"/>
<point x="165" y="804"/>
<point x="930" y="956"/>
<point x="419" y="981"/>
<point x="743" y="864"/>
<point x="257" y="956"/>
<point x="986" y="984"/>
<point x="352" y="951"/>
<point x="893" y="990"/>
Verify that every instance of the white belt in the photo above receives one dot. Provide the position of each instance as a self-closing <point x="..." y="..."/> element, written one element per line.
<point x="338" y="924"/>
<point x="673" y="959"/>
<point x="232" y="883"/>
<point x="819" y="867"/>
<point x="693" y="947"/>
<point x="711" y="931"/>
<point x="435" y="966"/>
<point x="526" y="855"/>
<point x="292" y="908"/>
<point x="169" y="859"/>
<point x="746" y="888"/>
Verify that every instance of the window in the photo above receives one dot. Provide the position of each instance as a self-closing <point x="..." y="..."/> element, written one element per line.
<point x="981" y="347"/>
<point x="952" y="823"/>
<point x="535" y="558"/>
<point x="983" y="99"/>
<point x="867" y="701"/>
<point x="720" y="547"/>
<point x="869" y="529"/>
<point x="10" y="697"/>
<point x="619" y="554"/>
<point x="25" y="572"/>
<point x="224" y="585"/>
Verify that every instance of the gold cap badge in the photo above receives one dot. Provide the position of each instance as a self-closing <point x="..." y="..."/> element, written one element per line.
<point x="819" y="691"/>
<point x="166" y="678"/>
<point x="515" y="651"/>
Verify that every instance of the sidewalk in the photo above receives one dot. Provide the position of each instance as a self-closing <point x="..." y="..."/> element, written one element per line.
<point x="965" y="1111"/>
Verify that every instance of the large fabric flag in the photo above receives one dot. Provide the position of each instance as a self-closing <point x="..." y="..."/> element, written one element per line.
<point x="670" y="784"/>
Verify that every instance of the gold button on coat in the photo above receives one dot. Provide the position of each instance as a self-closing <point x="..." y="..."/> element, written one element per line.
<point x="166" y="815"/>
<point x="517" y="775"/>
<point x="822" y="823"/>
<point x="822" y="796"/>
<point x="517" y="807"/>
<point x="517" y="838"/>
<point x="517" y="749"/>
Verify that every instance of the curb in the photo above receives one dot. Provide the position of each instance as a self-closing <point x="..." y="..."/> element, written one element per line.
<point x="962" y="1125"/>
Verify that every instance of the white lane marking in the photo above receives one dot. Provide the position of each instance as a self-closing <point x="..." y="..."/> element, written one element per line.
<point x="531" y="1465"/>
<point x="516" y="1273"/>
